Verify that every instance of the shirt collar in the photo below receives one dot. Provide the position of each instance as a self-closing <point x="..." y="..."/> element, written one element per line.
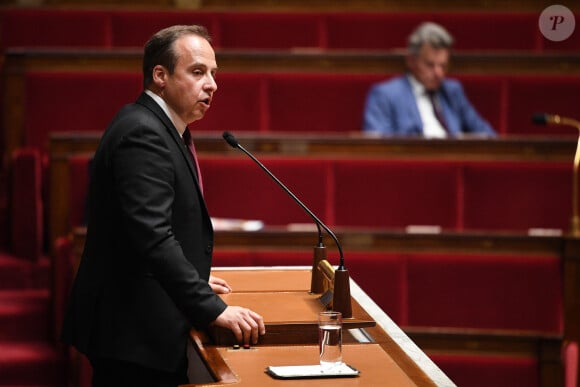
<point x="416" y="86"/>
<point x="175" y="120"/>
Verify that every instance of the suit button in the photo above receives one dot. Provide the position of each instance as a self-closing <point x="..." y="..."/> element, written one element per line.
<point x="209" y="249"/>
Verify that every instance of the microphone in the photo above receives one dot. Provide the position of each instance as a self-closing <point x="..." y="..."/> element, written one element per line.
<point x="230" y="139"/>
<point x="339" y="300"/>
<point x="555" y="119"/>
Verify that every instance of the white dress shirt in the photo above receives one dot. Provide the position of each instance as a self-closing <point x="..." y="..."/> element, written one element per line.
<point x="431" y="126"/>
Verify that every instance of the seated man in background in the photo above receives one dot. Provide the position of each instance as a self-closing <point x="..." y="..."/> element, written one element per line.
<point x="423" y="102"/>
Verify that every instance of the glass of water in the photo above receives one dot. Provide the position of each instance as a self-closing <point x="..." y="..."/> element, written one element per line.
<point x="330" y="339"/>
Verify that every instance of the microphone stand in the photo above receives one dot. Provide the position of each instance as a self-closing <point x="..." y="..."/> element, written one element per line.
<point x="341" y="294"/>
<point x="575" y="221"/>
<point x="558" y="120"/>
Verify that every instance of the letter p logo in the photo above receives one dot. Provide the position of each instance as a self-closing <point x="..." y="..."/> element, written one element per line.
<point x="557" y="23"/>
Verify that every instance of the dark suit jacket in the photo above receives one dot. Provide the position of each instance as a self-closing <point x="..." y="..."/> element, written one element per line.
<point x="391" y="109"/>
<point x="142" y="281"/>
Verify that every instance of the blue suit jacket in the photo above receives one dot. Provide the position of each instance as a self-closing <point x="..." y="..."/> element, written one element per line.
<point x="391" y="109"/>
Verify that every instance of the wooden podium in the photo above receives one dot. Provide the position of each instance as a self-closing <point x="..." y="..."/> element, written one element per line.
<point x="373" y="344"/>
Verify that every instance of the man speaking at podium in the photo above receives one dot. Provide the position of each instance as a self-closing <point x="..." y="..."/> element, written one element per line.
<point x="144" y="277"/>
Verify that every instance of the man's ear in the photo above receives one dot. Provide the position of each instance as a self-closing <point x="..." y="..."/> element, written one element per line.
<point x="159" y="76"/>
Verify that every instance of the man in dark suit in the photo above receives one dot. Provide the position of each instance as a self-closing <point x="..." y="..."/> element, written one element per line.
<point x="144" y="278"/>
<point x="423" y="102"/>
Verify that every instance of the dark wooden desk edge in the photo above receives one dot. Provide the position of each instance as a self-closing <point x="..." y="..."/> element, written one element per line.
<point x="355" y="144"/>
<point x="301" y="59"/>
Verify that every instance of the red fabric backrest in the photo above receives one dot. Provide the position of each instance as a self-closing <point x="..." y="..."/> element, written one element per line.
<point x="74" y="101"/>
<point x="300" y="257"/>
<point x="487" y="94"/>
<point x="386" y="31"/>
<point x="229" y="258"/>
<point x="485" y="291"/>
<point x="383" y="277"/>
<point x="263" y="30"/>
<point x="26" y="207"/>
<point x="517" y="196"/>
<point x="318" y="102"/>
<point x="542" y="94"/>
<point x="489" y="370"/>
<point x="238" y="104"/>
<point x="237" y="188"/>
<point x="44" y="27"/>
<point x="132" y="28"/>
<point x="396" y="193"/>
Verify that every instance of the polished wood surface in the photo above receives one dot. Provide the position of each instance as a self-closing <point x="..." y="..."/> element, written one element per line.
<point x="281" y="280"/>
<point x="392" y="351"/>
<point x="376" y="366"/>
<point x="290" y="317"/>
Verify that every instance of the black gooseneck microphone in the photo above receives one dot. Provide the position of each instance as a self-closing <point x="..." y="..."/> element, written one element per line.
<point x="230" y="139"/>
<point x="341" y="300"/>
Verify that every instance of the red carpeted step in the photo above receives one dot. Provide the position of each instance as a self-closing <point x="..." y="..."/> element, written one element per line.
<point x="31" y="364"/>
<point x="25" y="314"/>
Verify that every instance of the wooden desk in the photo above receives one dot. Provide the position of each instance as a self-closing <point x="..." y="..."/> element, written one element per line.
<point x="544" y="347"/>
<point x="384" y="354"/>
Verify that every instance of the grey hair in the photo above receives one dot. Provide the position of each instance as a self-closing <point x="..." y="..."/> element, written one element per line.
<point x="429" y="33"/>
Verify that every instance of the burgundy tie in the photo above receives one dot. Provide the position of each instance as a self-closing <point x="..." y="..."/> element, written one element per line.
<point x="437" y="110"/>
<point x="189" y="142"/>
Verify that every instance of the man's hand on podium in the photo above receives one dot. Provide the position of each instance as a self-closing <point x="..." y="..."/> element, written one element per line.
<point x="219" y="285"/>
<point x="245" y="324"/>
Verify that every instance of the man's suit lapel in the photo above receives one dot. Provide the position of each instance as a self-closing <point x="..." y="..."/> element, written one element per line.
<point x="408" y="100"/>
<point x="149" y="103"/>
<point x="451" y="119"/>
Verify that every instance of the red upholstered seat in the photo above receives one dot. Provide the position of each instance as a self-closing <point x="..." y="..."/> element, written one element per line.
<point x="485" y="291"/>
<point x="390" y="30"/>
<point x="536" y="94"/>
<point x="54" y="27"/>
<point x="489" y="370"/>
<point x="238" y="188"/>
<point x="317" y="102"/>
<point x="268" y="30"/>
<point x="132" y="28"/>
<point x="302" y="256"/>
<point x="229" y="258"/>
<point x="517" y="196"/>
<point x="383" y="277"/>
<point x="27" y="207"/>
<point x="487" y="94"/>
<point x="396" y="193"/>
<point x="74" y="101"/>
<point x="239" y="104"/>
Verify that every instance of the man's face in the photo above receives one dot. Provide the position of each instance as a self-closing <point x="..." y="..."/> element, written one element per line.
<point x="429" y="66"/>
<point x="189" y="90"/>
